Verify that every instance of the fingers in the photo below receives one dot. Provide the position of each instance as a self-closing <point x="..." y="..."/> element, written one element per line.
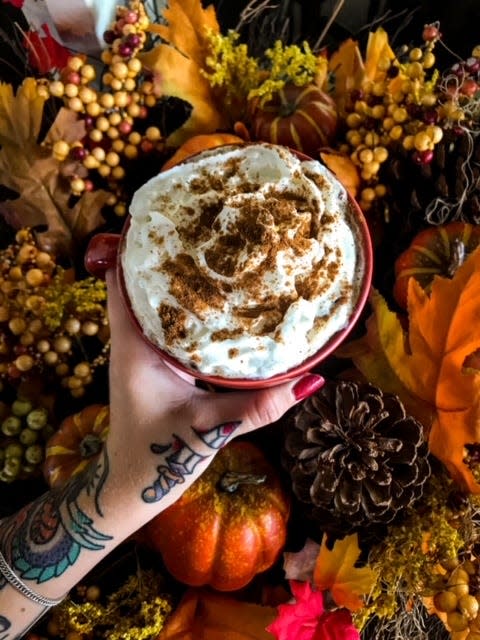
<point x="255" y="409"/>
<point x="130" y="355"/>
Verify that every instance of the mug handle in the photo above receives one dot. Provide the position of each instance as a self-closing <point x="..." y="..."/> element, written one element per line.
<point x="101" y="254"/>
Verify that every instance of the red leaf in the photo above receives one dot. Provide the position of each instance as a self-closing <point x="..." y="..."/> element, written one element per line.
<point x="44" y="52"/>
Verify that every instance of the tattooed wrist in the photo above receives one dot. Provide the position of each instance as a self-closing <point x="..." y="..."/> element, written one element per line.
<point x="179" y="459"/>
<point x="45" y="538"/>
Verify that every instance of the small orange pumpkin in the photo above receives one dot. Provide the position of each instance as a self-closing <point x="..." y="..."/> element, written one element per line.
<point x="198" y="143"/>
<point x="438" y="250"/>
<point x="77" y="441"/>
<point x="302" y="118"/>
<point x="228" y="526"/>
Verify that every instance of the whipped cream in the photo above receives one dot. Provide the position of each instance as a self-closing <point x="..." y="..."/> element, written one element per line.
<point x="242" y="262"/>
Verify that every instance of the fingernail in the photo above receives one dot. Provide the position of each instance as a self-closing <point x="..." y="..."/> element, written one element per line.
<point x="308" y="385"/>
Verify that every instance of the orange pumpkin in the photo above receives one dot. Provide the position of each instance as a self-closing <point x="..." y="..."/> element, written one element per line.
<point x="77" y="441"/>
<point x="228" y="526"/>
<point x="302" y="118"/>
<point x="195" y="144"/>
<point x="438" y="250"/>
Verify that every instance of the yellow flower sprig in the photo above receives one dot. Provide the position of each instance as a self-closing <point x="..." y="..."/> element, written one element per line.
<point x="240" y="76"/>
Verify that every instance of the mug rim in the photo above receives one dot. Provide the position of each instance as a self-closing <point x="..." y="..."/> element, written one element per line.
<point x="306" y="365"/>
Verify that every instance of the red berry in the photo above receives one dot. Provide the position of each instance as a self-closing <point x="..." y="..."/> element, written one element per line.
<point x="469" y="87"/>
<point x="430" y="32"/>
<point x="131" y="17"/>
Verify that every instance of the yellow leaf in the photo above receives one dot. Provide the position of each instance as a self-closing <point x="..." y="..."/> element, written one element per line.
<point x="344" y="168"/>
<point x="378" y="49"/>
<point x="178" y="62"/>
<point x="205" y="615"/>
<point x="20" y="114"/>
<point x="335" y="571"/>
<point x="348" y="70"/>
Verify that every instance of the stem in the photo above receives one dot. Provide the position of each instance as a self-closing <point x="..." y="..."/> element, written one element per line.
<point x="90" y="445"/>
<point x="231" y="480"/>
<point x="457" y="258"/>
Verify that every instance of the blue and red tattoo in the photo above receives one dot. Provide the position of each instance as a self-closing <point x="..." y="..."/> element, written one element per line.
<point x="45" y="538"/>
<point x="180" y="460"/>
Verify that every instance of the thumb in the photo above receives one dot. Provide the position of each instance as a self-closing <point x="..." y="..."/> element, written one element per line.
<point x="254" y="409"/>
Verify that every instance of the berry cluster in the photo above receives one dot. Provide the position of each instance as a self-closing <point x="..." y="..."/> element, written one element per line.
<point x="24" y="431"/>
<point x="461" y="88"/>
<point x="114" y="116"/>
<point x="398" y="108"/>
<point x="459" y="599"/>
<point x="45" y="321"/>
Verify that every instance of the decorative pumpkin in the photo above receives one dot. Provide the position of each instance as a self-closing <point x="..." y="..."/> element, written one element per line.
<point x="438" y="250"/>
<point x="79" y="438"/>
<point x="302" y="118"/>
<point x="228" y="526"/>
<point x="195" y="144"/>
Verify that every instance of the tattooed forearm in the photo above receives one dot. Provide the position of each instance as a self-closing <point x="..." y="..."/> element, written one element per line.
<point x="45" y="538"/>
<point x="180" y="460"/>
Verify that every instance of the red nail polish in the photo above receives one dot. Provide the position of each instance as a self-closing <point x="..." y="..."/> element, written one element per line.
<point x="308" y="385"/>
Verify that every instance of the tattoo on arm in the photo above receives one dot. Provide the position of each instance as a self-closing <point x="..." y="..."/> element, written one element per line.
<point x="179" y="459"/>
<point x="4" y="626"/>
<point x="45" y="538"/>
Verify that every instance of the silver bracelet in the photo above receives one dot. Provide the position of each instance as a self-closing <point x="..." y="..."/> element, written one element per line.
<point x="15" y="581"/>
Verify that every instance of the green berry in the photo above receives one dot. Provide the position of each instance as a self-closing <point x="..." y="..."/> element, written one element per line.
<point x="34" y="454"/>
<point x="28" y="436"/>
<point x="11" y="426"/>
<point x="20" y="407"/>
<point x="12" y="467"/>
<point x="13" y="450"/>
<point x="37" y="419"/>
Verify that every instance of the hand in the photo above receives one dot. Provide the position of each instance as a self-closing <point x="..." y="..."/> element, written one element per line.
<point x="154" y="412"/>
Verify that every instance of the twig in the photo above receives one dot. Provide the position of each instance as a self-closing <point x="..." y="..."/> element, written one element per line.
<point x="253" y="10"/>
<point x="331" y="20"/>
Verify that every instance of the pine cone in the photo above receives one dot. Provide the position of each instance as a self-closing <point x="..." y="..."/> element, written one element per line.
<point x="442" y="191"/>
<point x="355" y="458"/>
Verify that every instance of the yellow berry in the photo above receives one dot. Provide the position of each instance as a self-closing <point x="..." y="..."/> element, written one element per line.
<point x="380" y="190"/>
<point x="468" y="606"/>
<point x="428" y="60"/>
<point x="368" y="194"/>
<point x="121" y="98"/>
<point x="113" y="133"/>
<point x="106" y="56"/>
<point x="118" y="145"/>
<point x="134" y="65"/>
<point x="365" y="156"/>
<point x="50" y="358"/>
<point x="34" y="277"/>
<point x="77" y="185"/>
<point x="87" y="95"/>
<point x="71" y="90"/>
<point x="135" y="138"/>
<point x="422" y="141"/>
<point x="112" y="159"/>
<point x="88" y="72"/>
<point x="388" y="123"/>
<point x="415" y="70"/>
<point x="24" y="362"/>
<point x="456" y="621"/>
<point x="150" y="101"/>
<point x="129" y="85"/>
<point x="400" y="115"/>
<point x="120" y="209"/>
<point x="82" y="370"/>
<point x="415" y="54"/>
<point x="107" y="101"/>
<point x="130" y="152"/>
<point x="102" y="123"/>
<point x="408" y="143"/>
<point x="96" y="135"/>
<point x="62" y="344"/>
<point x="104" y="170"/>
<point x="378" y="111"/>
<point x="93" y="109"/>
<point x="72" y="326"/>
<point x="119" y="70"/>
<point x="445" y="601"/>
<point x="435" y="133"/>
<point x="118" y="173"/>
<point x="380" y="154"/>
<point x="75" y="63"/>
<point x="61" y="149"/>
<point x="396" y="132"/>
<point x="153" y="134"/>
<point x="57" y="88"/>
<point x="354" y="120"/>
<point x="114" y="119"/>
<point x="75" y="104"/>
<point x="429" y="100"/>
<point x="90" y="162"/>
<point x="372" y="138"/>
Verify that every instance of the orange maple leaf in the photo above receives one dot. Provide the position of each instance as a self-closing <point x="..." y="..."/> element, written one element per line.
<point x="335" y="571"/>
<point x="429" y="361"/>
<point x="179" y="62"/>
<point x="205" y="615"/>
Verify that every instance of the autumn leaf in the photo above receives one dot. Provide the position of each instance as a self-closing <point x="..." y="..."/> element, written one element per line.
<point x="206" y="615"/>
<point x="378" y="51"/>
<point x="344" y="168"/>
<point x="429" y="361"/>
<point x="29" y="169"/>
<point x="179" y="60"/>
<point x="21" y="113"/>
<point x="335" y="571"/>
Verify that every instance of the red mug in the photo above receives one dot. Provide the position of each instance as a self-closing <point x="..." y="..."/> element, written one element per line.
<point x="104" y="251"/>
